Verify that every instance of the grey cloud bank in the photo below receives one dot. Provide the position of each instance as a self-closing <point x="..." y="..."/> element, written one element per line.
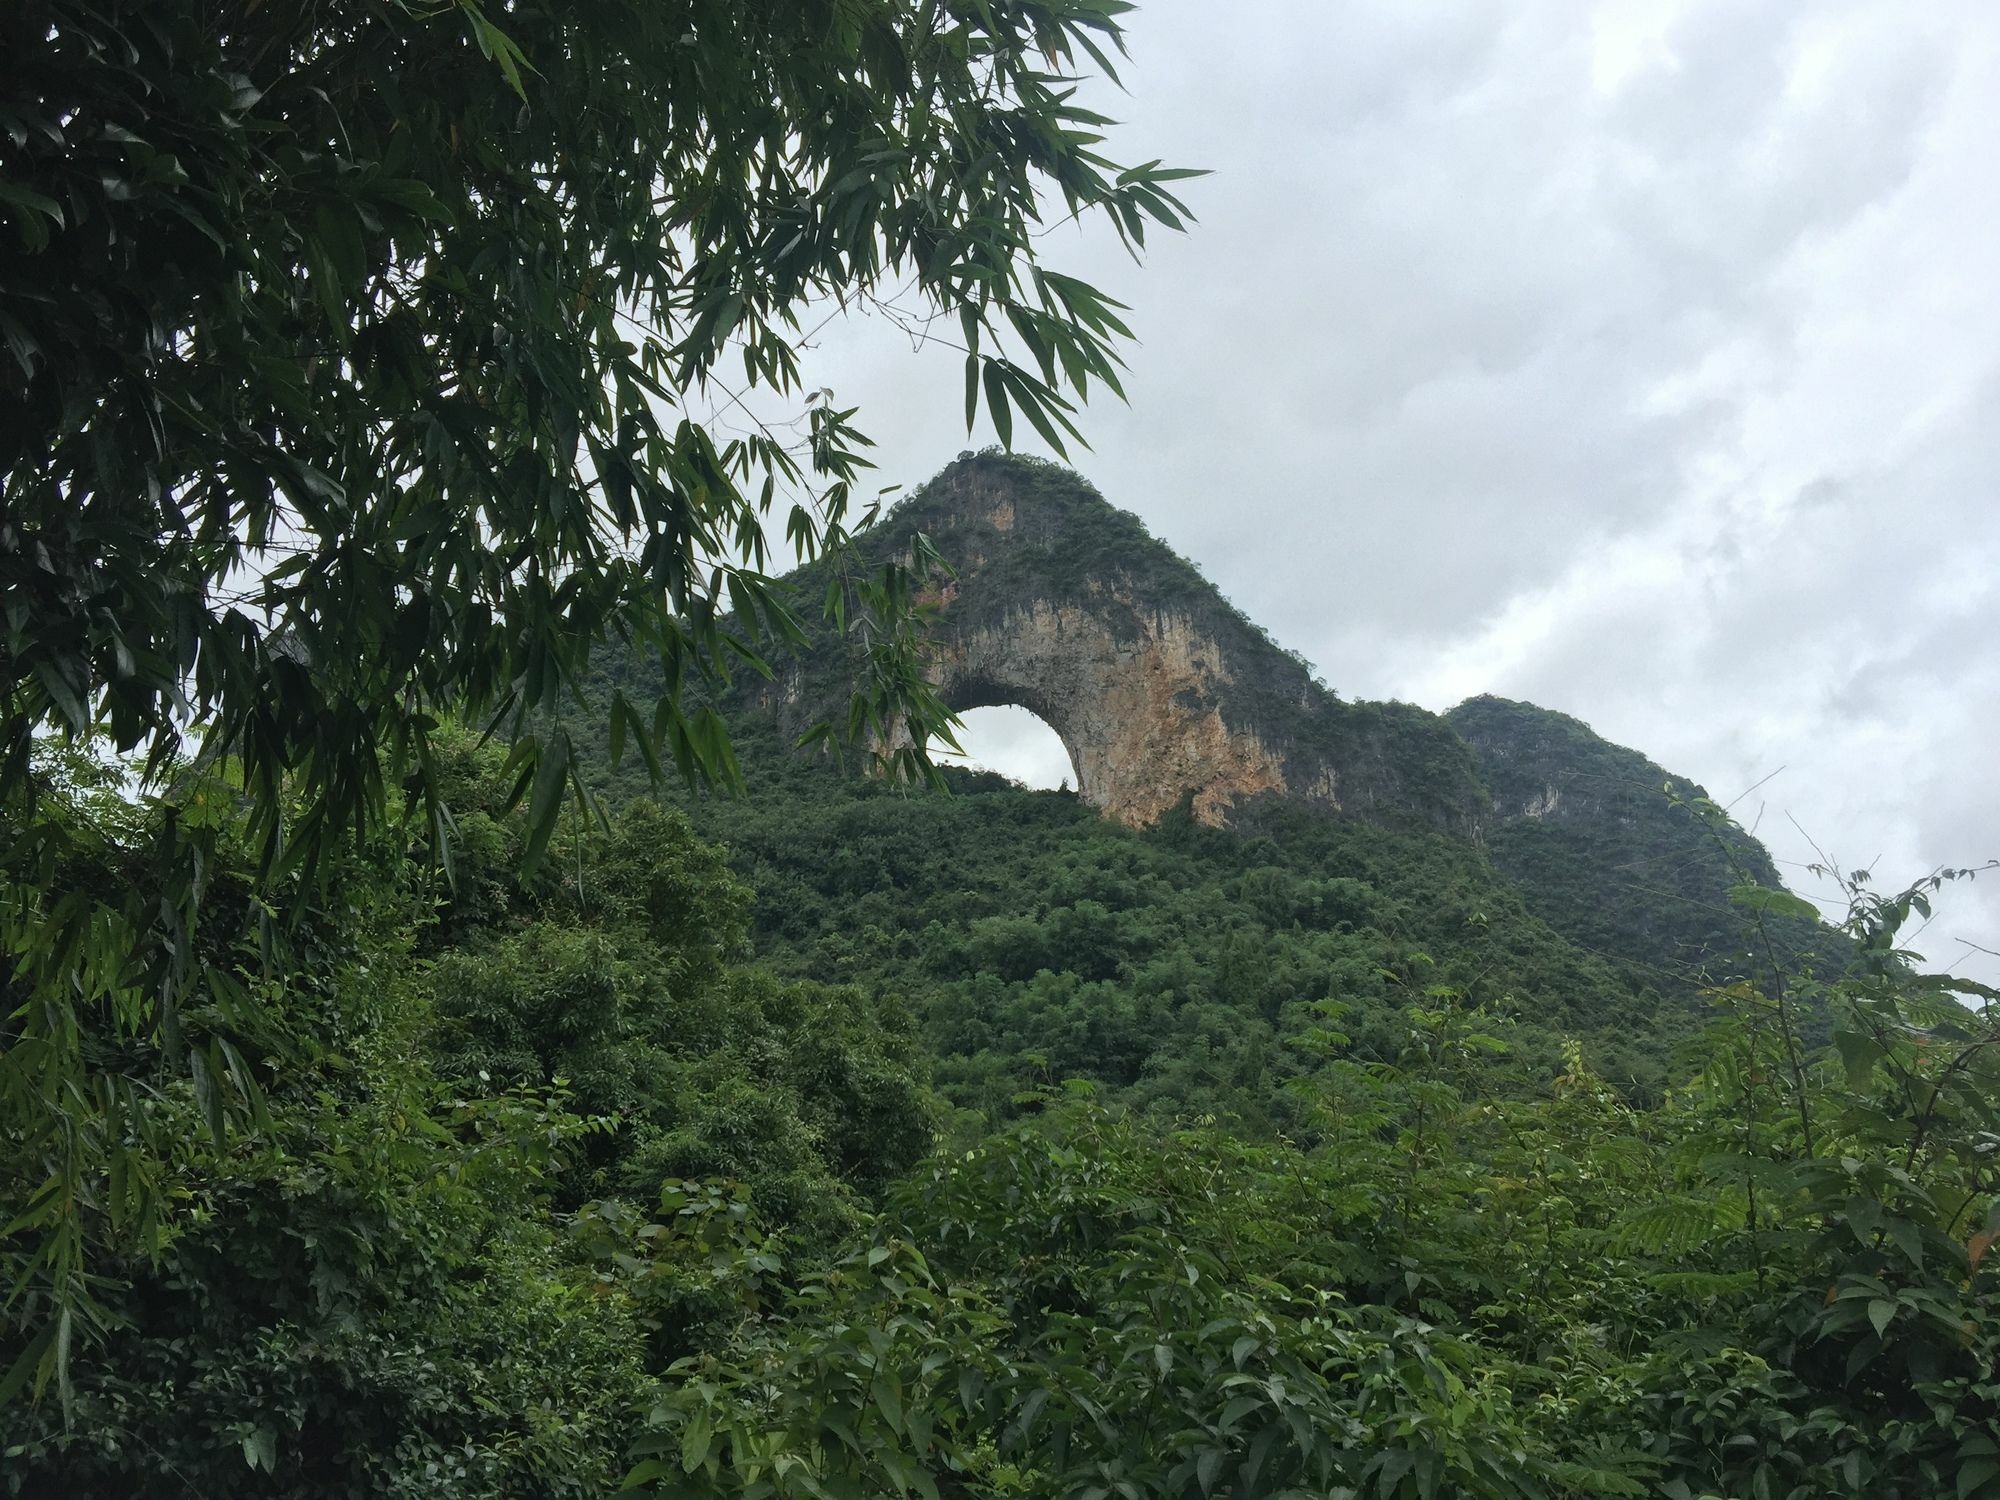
<point x="1642" y="360"/>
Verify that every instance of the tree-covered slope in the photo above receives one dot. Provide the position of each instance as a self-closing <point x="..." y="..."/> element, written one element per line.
<point x="1182" y="968"/>
<point x="1606" y="848"/>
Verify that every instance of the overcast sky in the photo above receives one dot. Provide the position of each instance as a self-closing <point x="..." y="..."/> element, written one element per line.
<point x="1638" y="359"/>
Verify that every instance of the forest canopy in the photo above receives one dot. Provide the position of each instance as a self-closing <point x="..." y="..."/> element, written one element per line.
<point x="603" y="1177"/>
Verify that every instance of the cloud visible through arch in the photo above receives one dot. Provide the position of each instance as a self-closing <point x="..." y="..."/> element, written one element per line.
<point x="1018" y="744"/>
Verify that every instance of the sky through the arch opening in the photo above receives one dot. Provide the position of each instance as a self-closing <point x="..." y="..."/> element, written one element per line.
<point x="1018" y="744"/>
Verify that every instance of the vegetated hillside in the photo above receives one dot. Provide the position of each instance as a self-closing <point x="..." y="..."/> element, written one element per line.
<point x="562" y="1191"/>
<point x="1605" y="847"/>
<point x="1185" y="967"/>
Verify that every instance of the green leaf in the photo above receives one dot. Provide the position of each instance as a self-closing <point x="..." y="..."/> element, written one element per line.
<point x="497" y="46"/>
<point x="339" y="236"/>
<point x="551" y="775"/>
<point x="69" y="698"/>
<point x="14" y="194"/>
<point x="208" y="1096"/>
<point x="260" y="1449"/>
<point x="996" y="404"/>
<point x="1859" y="1053"/>
<point x="1980" y="1474"/>
<point x="1909" y="1238"/>
<point x="643" y="1473"/>
<point x="695" y="1439"/>
<point x="889" y="1401"/>
<point x="412" y="195"/>
<point x="1260" y="1450"/>
<point x="1774" y="903"/>
<point x="33" y="1363"/>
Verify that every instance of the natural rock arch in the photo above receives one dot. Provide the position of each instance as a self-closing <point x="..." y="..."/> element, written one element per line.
<point x="1161" y="691"/>
<point x="1132" y="699"/>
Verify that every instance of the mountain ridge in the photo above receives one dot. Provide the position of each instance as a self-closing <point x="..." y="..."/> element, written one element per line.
<point x="1036" y="552"/>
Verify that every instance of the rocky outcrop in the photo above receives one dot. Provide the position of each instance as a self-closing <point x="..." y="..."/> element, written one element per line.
<point x="1161" y="691"/>
<point x="1166" y="696"/>
<point x="1138" y="710"/>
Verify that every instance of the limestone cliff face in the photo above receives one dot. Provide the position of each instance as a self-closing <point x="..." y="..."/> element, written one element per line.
<point x="1159" y="688"/>
<point x="1139" y="711"/>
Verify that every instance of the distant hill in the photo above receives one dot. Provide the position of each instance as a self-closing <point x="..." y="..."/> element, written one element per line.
<point x="1243" y="846"/>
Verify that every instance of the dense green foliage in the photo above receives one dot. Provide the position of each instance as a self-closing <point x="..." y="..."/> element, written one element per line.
<point x="358" y="363"/>
<point x="1179" y="969"/>
<point x="404" y="1280"/>
<point x="558" y="1186"/>
<point x="1451" y="1296"/>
